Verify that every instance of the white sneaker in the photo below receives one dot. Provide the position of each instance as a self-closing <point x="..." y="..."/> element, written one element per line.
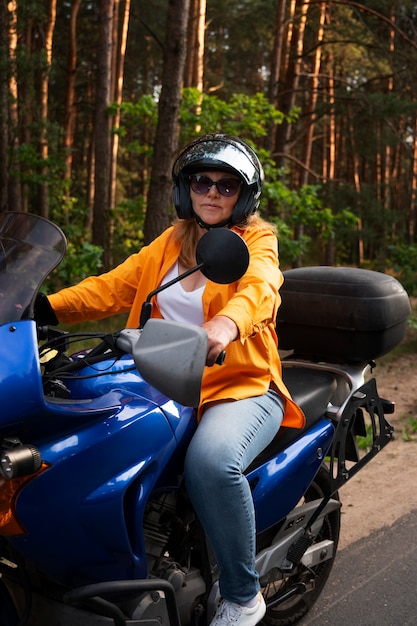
<point x="232" y="613"/>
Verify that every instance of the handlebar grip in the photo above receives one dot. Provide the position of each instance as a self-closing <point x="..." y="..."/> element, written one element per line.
<point x="221" y="358"/>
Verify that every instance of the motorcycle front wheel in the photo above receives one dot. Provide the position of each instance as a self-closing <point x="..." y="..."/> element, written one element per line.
<point x="314" y="578"/>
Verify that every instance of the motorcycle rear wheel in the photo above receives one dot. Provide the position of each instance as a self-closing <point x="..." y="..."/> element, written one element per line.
<point x="291" y="611"/>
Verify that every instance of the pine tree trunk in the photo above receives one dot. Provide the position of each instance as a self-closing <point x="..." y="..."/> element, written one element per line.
<point x="412" y="212"/>
<point x="194" y="65"/>
<point x="117" y="97"/>
<point x="276" y="60"/>
<point x="310" y="116"/>
<point x="15" y="186"/>
<point x="4" y="116"/>
<point x="292" y="75"/>
<point x="70" y="102"/>
<point x="102" y="154"/>
<point x="192" y="43"/>
<point x="158" y="215"/>
<point x="43" y="194"/>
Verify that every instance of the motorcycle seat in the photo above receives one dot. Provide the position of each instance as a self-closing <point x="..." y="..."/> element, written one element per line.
<point x="312" y="390"/>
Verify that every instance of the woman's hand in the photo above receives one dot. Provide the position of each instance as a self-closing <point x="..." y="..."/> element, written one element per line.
<point x="221" y="331"/>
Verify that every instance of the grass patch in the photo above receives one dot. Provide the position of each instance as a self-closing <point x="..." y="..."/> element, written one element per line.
<point x="366" y="442"/>
<point x="410" y="429"/>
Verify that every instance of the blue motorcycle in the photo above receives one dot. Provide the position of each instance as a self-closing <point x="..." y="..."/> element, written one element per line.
<point x="95" y="524"/>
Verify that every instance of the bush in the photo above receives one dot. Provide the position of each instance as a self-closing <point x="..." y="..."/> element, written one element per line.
<point x="403" y="260"/>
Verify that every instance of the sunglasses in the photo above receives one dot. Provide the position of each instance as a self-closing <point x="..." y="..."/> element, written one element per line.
<point x="225" y="186"/>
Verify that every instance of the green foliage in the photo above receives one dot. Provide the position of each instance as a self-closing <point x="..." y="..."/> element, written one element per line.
<point x="249" y="117"/>
<point x="300" y="215"/>
<point x="412" y="322"/>
<point x="129" y="218"/>
<point x="241" y="115"/>
<point x="82" y="258"/>
<point x="238" y="41"/>
<point x="143" y="113"/>
<point x="373" y="108"/>
<point x="291" y="248"/>
<point x="33" y="170"/>
<point x="403" y="259"/>
<point x="410" y="428"/>
<point x="366" y="442"/>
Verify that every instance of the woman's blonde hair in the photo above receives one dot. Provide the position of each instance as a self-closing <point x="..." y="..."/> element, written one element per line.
<point x="188" y="233"/>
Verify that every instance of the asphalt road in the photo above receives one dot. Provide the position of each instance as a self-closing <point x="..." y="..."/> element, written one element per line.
<point x="373" y="581"/>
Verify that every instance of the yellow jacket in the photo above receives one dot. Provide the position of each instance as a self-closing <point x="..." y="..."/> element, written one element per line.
<point x="252" y="361"/>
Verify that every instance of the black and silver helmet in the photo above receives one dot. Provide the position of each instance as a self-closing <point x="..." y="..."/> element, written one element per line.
<point x="218" y="152"/>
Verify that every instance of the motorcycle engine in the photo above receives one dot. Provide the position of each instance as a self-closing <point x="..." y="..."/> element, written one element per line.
<point x="160" y="515"/>
<point x="169" y="550"/>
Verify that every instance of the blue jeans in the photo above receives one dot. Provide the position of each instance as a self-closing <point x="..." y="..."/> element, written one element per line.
<point x="228" y="438"/>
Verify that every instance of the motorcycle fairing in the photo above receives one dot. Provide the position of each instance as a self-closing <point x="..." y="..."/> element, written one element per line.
<point x="101" y="475"/>
<point x="19" y="374"/>
<point x="283" y="479"/>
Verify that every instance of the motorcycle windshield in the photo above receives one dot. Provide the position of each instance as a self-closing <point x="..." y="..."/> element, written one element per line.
<point x="30" y="248"/>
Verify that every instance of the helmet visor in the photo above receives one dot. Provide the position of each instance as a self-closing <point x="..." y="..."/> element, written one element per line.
<point x="215" y="154"/>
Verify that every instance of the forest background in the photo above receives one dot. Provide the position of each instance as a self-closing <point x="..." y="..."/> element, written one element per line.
<point x="98" y="96"/>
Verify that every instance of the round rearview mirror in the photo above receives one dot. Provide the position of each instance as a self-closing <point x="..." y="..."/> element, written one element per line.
<point x="224" y="255"/>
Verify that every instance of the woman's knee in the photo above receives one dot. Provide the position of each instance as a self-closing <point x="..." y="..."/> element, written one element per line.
<point x="207" y="466"/>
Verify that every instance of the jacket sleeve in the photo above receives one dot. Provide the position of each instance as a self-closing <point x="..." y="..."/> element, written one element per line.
<point x="255" y="302"/>
<point x="98" y="297"/>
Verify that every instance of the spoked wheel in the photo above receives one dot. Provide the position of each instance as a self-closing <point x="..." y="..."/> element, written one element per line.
<point x="314" y="578"/>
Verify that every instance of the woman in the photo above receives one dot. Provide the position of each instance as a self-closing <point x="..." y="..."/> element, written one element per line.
<point x="217" y="184"/>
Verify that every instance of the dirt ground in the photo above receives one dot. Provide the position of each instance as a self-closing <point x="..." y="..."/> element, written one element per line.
<point x="385" y="489"/>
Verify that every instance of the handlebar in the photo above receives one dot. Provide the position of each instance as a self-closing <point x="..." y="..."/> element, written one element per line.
<point x="221" y="358"/>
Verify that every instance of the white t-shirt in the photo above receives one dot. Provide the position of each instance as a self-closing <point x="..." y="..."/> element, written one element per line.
<point x="179" y="305"/>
